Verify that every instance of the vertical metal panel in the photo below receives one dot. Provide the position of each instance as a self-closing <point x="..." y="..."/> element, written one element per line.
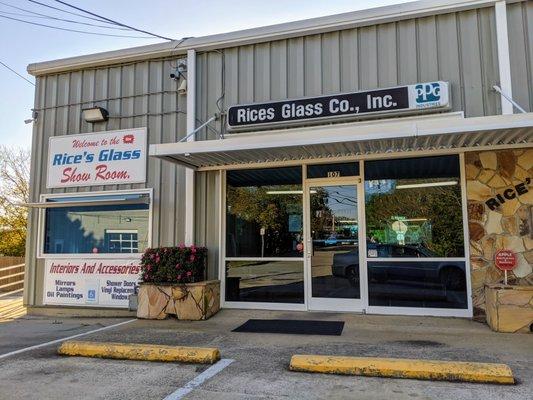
<point x="428" y="64"/>
<point x="471" y="63"/>
<point x="262" y="72"/>
<point x="407" y="52"/>
<point x="295" y="68"/>
<point x="448" y="49"/>
<point x="278" y="70"/>
<point x="520" y="27"/>
<point x="368" y="58"/>
<point x="331" y="80"/>
<point x="207" y="217"/>
<point x="348" y="60"/>
<point x="313" y="65"/>
<point x="387" y="50"/>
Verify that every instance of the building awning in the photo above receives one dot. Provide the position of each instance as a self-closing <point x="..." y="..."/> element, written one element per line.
<point x="446" y="131"/>
<point x="90" y="201"/>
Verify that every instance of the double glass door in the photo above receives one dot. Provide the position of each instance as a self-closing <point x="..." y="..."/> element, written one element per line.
<point x="333" y="240"/>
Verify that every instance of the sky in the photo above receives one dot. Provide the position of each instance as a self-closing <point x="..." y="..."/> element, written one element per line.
<point x="22" y="44"/>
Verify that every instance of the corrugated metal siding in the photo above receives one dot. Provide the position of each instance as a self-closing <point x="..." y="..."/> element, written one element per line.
<point x="138" y="95"/>
<point x="456" y="47"/>
<point x="206" y="224"/>
<point x="520" y="27"/>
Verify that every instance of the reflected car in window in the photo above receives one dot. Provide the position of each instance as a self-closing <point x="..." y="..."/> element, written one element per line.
<point x="449" y="274"/>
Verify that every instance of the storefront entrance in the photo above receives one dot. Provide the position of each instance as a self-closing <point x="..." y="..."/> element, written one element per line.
<point x="332" y="241"/>
<point x="377" y="236"/>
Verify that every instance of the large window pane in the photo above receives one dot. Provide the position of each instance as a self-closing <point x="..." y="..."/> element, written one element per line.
<point x="265" y="281"/>
<point x="431" y="284"/>
<point x="264" y="213"/>
<point x="413" y="208"/>
<point x="96" y="229"/>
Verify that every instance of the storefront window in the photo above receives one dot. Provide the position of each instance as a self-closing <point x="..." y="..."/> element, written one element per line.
<point x="413" y="208"/>
<point x="97" y="228"/>
<point x="264" y="213"/>
<point x="414" y="211"/>
<point x="264" y="227"/>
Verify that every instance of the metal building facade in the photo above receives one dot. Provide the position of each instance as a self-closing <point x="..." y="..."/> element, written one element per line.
<point x="457" y="46"/>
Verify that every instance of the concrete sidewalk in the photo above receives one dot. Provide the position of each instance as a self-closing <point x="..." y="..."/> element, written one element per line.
<point x="261" y="362"/>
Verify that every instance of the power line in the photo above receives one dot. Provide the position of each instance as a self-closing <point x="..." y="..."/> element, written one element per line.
<point x="16" y="73"/>
<point x="110" y="20"/>
<point x="66" y="11"/>
<point x="74" y="30"/>
<point x="39" y="15"/>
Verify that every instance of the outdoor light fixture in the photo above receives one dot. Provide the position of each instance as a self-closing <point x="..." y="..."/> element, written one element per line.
<point x="95" y="114"/>
<point x="429" y="184"/>
<point x="182" y="89"/>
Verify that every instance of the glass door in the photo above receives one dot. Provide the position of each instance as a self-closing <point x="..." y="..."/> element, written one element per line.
<point x="333" y="240"/>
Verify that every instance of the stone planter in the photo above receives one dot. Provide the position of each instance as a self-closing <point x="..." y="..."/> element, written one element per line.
<point x="509" y="308"/>
<point x="188" y="301"/>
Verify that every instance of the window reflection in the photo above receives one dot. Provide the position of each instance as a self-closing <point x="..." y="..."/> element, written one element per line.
<point x="264" y="213"/>
<point x="96" y="229"/>
<point x="265" y="281"/>
<point x="413" y="209"/>
<point x="433" y="284"/>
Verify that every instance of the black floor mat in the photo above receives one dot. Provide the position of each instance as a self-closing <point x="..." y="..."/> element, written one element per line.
<point x="291" y="326"/>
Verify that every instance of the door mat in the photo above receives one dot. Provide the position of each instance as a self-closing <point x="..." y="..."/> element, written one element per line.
<point x="292" y="326"/>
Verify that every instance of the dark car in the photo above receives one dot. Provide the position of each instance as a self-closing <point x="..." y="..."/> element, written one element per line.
<point x="451" y="274"/>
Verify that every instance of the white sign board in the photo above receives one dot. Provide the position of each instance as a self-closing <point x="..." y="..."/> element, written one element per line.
<point x="90" y="282"/>
<point x="94" y="159"/>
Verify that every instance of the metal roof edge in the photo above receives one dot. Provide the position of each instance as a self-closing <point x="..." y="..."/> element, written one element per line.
<point x="256" y="35"/>
<point x="331" y="133"/>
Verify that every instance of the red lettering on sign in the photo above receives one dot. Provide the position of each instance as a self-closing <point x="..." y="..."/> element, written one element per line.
<point x="70" y="175"/>
<point x="103" y="174"/>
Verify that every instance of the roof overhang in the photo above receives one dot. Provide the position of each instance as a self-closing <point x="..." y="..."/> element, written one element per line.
<point x="446" y="132"/>
<point x="372" y="16"/>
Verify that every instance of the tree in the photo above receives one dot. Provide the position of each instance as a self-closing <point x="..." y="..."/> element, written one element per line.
<point x="14" y="191"/>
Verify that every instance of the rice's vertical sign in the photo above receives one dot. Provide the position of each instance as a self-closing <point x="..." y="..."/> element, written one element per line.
<point x="95" y="159"/>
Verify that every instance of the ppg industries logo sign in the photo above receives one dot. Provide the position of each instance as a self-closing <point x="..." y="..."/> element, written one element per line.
<point x="430" y="94"/>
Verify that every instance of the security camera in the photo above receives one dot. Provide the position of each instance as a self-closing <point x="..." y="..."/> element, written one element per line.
<point x="28" y="121"/>
<point x="174" y="76"/>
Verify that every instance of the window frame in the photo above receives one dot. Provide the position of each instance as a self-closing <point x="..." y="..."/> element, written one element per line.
<point x="41" y="225"/>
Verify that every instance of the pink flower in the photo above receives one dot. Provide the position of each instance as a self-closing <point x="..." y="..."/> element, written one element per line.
<point x="181" y="246"/>
<point x="149" y="267"/>
<point x="179" y="277"/>
<point x="192" y="258"/>
<point x="178" y="266"/>
<point x="189" y="273"/>
<point x="193" y="249"/>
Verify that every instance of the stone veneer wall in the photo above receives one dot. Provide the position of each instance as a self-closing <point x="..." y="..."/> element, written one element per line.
<point x="508" y="226"/>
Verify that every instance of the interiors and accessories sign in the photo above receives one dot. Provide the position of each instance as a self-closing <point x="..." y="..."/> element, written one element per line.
<point x="90" y="282"/>
<point x="400" y="99"/>
<point x="94" y="159"/>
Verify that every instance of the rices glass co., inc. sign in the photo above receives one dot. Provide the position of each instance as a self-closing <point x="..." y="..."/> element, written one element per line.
<point x="400" y="99"/>
<point x="94" y="159"/>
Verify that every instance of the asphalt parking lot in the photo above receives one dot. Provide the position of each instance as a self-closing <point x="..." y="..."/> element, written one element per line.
<point x="260" y="366"/>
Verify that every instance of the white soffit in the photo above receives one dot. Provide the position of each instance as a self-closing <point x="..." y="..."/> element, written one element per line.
<point x="448" y="131"/>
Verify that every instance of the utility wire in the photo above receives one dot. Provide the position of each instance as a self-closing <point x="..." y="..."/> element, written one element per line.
<point x="68" y="12"/>
<point x="74" y="30"/>
<point x="39" y="15"/>
<point x="16" y="73"/>
<point x="110" y="20"/>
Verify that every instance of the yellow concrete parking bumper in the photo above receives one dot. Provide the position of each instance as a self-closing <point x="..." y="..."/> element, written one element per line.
<point x="404" y="368"/>
<point x="143" y="352"/>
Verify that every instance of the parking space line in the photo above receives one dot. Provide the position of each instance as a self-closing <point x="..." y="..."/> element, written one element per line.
<point x="194" y="383"/>
<point x="38" y="346"/>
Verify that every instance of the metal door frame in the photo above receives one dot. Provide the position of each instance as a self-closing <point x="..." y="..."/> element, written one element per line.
<point x="320" y="303"/>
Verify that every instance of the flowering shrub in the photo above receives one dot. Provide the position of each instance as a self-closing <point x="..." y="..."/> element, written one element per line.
<point x="180" y="264"/>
